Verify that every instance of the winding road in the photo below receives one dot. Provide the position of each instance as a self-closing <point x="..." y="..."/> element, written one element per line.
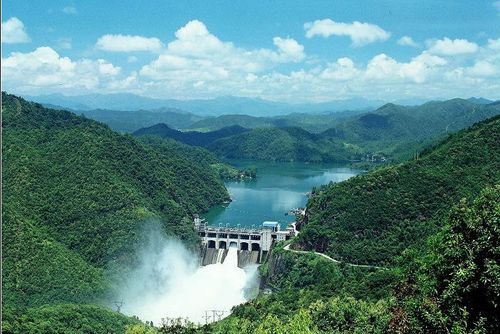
<point x="287" y="248"/>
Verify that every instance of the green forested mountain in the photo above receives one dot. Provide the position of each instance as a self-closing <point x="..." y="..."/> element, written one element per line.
<point x="312" y="122"/>
<point x="245" y="121"/>
<point x="434" y="222"/>
<point x="199" y="156"/>
<point x="283" y="144"/>
<point x="76" y="196"/>
<point x="394" y="131"/>
<point x="449" y="284"/>
<point x="391" y="128"/>
<point x="373" y="217"/>
<point x="190" y="137"/>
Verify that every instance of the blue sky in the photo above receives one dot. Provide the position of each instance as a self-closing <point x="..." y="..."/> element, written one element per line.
<point x="292" y="51"/>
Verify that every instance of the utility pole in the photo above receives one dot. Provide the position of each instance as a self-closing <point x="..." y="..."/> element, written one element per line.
<point x="119" y="305"/>
<point x="207" y="317"/>
<point x="215" y="316"/>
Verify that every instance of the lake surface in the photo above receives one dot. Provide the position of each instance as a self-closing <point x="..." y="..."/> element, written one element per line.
<point x="278" y="188"/>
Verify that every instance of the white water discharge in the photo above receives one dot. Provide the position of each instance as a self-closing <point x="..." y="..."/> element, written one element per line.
<point x="168" y="283"/>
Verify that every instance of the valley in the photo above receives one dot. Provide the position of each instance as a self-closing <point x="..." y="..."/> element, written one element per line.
<point x="250" y="167"/>
<point x="357" y="228"/>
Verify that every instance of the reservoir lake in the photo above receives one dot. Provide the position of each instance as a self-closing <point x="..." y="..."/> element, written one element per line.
<point x="278" y="188"/>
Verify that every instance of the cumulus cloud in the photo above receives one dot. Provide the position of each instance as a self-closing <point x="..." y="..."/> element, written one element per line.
<point x="494" y="44"/>
<point x="289" y="48"/>
<point x="44" y="68"/>
<point x="483" y="68"/>
<point x="407" y="41"/>
<point x="197" y="64"/>
<point x="13" y="31"/>
<point x="360" y="33"/>
<point x="342" y="69"/>
<point x="128" y="43"/>
<point x="449" y="47"/>
<point x="198" y="59"/>
<point x="383" y="67"/>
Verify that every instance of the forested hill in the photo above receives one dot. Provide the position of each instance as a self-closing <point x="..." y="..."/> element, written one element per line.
<point x="283" y="144"/>
<point x="191" y="137"/>
<point x="392" y="122"/>
<point x="373" y="217"/>
<point x="75" y="197"/>
<point x="393" y="131"/>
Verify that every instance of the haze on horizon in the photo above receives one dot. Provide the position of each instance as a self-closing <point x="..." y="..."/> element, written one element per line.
<point x="274" y="51"/>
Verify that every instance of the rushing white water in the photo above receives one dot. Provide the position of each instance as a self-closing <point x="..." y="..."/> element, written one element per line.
<point x="170" y="284"/>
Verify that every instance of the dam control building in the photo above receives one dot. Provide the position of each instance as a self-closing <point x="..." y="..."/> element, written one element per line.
<point x="242" y="238"/>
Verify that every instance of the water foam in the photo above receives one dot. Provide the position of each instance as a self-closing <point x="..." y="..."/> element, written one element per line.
<point x="170" y="284"/>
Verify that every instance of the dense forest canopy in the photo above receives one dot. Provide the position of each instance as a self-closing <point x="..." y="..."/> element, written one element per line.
<point x="373" y="217"/>
<point x="76" y="196"/>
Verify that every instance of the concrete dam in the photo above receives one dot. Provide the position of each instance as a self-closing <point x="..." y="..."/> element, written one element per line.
<point x="252" y="244"/>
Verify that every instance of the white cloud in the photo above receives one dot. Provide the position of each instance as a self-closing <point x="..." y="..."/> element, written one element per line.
<point x="70" y="10"/>
<point x="342" y="69"/>
<point x="13" y="31"/>
<point x="196" y="55"/>
<point x="494" y="44"/>
<point x="407" y="41"/>
<point x="128" y="43"/>
<point x="360" y="33"/>
<point x="289" y="48"/>
<point x="197" y="64"/>
<point x="418" y="70"/>
<point x="449" y="47"/>
<point x="483" y="68"/>
<point x="44" y="69"/>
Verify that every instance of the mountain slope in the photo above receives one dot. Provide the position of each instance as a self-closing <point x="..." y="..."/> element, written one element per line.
<point x="317" y="122"/>
<point x="392" y="130"/>
<point x="76" y="196"/>
<point x="190" y="137"/>
<point x="392" y="127"/>
<point x="371" y="218"/>
<point x="281" y="144"/>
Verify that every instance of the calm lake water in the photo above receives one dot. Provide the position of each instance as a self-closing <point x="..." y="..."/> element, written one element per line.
<point x="278" y="188"/>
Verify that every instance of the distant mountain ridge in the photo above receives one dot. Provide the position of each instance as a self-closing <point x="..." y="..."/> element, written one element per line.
<point x="208" y="107"/>
<point x="194" y="138"/>
<point x="130" y="121"/>
<point x="391" y="130"/>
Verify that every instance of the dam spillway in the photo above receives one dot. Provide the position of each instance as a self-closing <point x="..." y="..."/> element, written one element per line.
<point x="252" y="244"/>
<point x="212" y="256"/>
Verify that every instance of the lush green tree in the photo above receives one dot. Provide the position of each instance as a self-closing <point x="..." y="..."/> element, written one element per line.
<point x="454" y="286"/>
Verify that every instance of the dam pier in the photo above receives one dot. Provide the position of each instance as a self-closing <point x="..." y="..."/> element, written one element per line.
<point x="252" y="244"/>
